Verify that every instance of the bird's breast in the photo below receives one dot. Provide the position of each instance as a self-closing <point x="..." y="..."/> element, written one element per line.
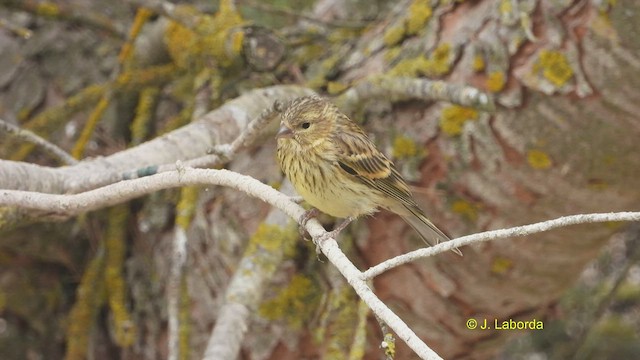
<point x="325" y="186"/>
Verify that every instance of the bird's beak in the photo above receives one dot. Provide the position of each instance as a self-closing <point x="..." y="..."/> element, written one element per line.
<point x="284" y="132"/>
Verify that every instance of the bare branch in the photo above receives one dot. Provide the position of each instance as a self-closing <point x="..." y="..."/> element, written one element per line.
<point x="33" y="138"/>
<point x="126" y="190"/>
<point x="499" y="234"/>
<point x="405" y="88"/>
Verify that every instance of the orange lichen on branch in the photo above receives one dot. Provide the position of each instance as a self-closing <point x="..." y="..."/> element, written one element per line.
<point x="453" y="118"/>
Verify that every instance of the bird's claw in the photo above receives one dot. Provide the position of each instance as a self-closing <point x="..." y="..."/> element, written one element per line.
<point x="304" y="219"/>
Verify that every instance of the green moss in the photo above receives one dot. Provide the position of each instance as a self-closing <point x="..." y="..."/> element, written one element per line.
<point x="453" y="118"/>
<point x="295" y="304"/>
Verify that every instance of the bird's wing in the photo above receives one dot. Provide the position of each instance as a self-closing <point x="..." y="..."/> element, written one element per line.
<point x="358" y="156"/>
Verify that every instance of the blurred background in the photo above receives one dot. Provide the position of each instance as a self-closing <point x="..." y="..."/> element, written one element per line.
<point x="99" y="78"/>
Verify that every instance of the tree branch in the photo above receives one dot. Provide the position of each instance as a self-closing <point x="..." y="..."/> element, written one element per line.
<point x="119" y="192"/>
<point x="125" y="190"/>
<point x="499" y="234"/>
<point x="38" y="141"/>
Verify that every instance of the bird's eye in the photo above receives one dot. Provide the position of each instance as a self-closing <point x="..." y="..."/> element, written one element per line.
<point x="305" y="125"/>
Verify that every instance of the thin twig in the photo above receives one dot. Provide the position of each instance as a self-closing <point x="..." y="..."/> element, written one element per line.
<point x="498" y="234"/>
<point x="42" y="143"/>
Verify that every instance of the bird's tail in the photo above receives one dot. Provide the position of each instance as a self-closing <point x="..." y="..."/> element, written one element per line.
<point x="428" y="232"/>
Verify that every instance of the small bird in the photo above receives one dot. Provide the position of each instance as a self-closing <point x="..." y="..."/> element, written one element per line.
<point x="336" y="168"/>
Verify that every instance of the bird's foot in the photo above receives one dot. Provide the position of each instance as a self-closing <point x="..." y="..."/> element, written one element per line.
<point x="304" y="219"/>
<point x="332" y="234"/>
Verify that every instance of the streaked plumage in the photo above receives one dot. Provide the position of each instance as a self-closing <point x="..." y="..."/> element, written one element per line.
<point x="336" y="168"/>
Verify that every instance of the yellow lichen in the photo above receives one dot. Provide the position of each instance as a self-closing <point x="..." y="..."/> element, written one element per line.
<point x="218" y="37"/>
<point x="334" y="87"/>
<point x="496" y="81"/>
<point x="143" y="114"/>
<point x="554" y="67"/>
<point x="393" y="35"/>
<point x="440" y="60"/>
<point x="538" y="159"/>
<point x="48" y="9"/>
<point x="419" y="13"/>
<point x="505" y="7"/>
<point x="125" y="331"/>
<point x="417" y="16"/>
<point x="501" y="265"/>
<point x="453" y="118"/>
<point x="126" y="52"/>
<point x="49" y="120"/>
<point x="89" y="127"/>
<point x="404" y="147"/>
<point x="439" y="63"/>
<point x="89" y="298"/>
<point x="295" y="304"/>
<point x="186" y="207"/>
<point x="465" y="209"/>
<point x="392" y="53"/>
<point x="343" y="319"/>
<point x="478" y="63"/>
<point x="272" y="238"/>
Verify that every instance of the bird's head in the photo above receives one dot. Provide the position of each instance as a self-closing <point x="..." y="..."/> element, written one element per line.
<point x="307" y="122"/>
